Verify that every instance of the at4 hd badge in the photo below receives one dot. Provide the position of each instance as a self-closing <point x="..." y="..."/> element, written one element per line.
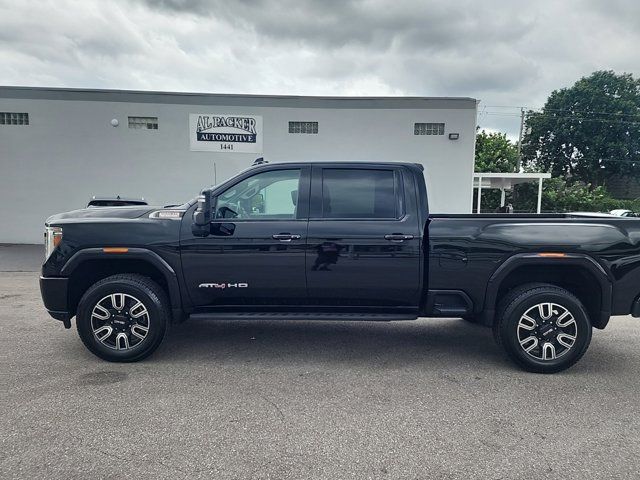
<point x="222" y="286"/>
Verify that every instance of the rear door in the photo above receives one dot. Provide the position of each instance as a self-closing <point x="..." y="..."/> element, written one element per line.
<point x="256" y="250"/>
<point x="363" y="246"/>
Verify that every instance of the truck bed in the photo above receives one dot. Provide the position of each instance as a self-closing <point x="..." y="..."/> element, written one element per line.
<point x="534" y="216"/>
<point x="471" y="248"/>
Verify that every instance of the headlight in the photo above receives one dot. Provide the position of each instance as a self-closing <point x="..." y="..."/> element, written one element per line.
<point x="52" y="238"/>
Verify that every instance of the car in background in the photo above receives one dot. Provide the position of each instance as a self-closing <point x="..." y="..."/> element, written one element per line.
<point x="621" y="212"/>
<point x="117" y="201"/>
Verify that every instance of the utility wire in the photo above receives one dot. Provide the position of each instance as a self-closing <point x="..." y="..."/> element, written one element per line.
<point x="564" y="110"/>
<point x="566" y="117"/>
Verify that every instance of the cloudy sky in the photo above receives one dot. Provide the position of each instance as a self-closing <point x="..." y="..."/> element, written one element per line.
<point x="504" y="53"/>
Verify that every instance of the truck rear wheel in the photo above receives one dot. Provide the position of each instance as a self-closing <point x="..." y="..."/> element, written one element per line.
<point x="123" y="318"/>
<point x="543" y="328"/>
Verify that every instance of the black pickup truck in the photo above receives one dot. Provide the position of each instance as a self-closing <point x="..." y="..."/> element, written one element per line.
<point x="338" y="241"/>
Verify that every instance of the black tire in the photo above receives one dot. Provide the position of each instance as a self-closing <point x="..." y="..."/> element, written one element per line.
<point x="508" y="331"/>
<point x="133" y="287"/>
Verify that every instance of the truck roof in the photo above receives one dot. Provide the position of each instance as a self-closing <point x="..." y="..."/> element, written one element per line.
<point x="344" y="163"/>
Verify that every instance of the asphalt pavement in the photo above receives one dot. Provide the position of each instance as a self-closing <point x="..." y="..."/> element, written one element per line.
<point x="330" y="400"/>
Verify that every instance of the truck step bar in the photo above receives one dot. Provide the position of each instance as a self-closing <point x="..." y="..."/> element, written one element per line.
<point x="373" y="317"/>
<point x="448" y="303"/>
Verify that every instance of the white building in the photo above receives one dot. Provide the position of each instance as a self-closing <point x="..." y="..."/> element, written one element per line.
<point x="59" y="147"/>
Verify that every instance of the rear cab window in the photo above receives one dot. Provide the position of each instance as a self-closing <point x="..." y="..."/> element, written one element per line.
<point x="358" y="193"/>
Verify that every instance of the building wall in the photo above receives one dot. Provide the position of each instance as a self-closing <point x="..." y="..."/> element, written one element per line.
<point x="70" y="152"/>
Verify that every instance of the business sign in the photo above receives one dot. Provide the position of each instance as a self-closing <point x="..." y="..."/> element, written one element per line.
<point x="225" y="133"/>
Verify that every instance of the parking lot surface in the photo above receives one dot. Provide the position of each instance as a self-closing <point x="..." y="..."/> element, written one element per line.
<point x="250" y="399"/>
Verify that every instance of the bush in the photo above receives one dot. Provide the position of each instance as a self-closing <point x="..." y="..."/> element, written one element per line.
<point x="560" y="196"/>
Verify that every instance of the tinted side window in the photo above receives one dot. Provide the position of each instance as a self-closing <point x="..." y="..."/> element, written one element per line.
<point x="358" y="193"/>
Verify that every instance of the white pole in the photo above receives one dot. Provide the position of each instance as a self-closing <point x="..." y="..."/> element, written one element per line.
<point x="479" y="193"/>
<point x="502" y="197"/>
<point x="539" y="194"/>
<point x="519" y="162"/>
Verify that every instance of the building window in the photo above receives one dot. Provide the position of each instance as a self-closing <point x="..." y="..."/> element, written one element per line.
<point x="145" y="123"/>
<point x="10" y="118"/>
<point x="428" y="129"/>
<point x="303" y="127"/>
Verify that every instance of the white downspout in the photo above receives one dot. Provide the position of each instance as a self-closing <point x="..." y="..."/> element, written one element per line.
<point x="539" y="194"/>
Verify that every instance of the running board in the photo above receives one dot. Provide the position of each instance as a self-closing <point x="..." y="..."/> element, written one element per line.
<point x="367" y="317"/>
<point x="450" y="311"/>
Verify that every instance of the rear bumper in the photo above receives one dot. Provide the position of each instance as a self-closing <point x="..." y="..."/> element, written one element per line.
<point x="55" y="297"/>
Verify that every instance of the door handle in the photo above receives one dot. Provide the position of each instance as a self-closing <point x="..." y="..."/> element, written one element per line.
<point x="398" y="237"/>
<point x="285" y="237"/>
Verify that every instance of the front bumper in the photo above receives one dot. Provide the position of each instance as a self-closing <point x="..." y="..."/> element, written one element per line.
<point x="55" y="296"/>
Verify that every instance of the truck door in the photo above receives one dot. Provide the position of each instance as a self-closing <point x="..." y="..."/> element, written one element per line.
<point x="256" y="250"/>
<point x="364" y="242"/>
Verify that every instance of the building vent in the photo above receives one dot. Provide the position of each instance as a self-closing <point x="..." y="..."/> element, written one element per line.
<point x="428" y="129"/>
<point x="303" y="127"/>
<point x="10" y="118"/>
<point x="145" y="123"/>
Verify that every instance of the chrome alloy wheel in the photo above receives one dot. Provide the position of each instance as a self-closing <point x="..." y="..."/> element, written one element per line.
<point x="547" y="331"/>
<point x="120" y="321"/>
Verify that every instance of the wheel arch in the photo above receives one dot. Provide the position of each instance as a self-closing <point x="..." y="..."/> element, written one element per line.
<point x="90" y="265"/>
<point x="578" y="273"/>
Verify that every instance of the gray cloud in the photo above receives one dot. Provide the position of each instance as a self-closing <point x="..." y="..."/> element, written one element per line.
<point x="502" y="52"/>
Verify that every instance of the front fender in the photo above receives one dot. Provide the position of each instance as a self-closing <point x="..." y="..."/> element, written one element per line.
<point x="134" y="254"/>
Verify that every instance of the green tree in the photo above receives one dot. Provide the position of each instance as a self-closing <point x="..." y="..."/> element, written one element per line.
<point x="587" y="132"/>
<point x="495" y="153"/>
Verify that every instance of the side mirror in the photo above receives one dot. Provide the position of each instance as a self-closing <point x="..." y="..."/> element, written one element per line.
<point x="202" y="215"/>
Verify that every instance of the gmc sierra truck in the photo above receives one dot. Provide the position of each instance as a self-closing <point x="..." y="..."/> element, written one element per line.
<point x="338" y="241"/>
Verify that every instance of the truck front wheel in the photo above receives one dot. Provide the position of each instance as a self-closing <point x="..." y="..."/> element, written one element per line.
<point x="123" y="318"/>
<point x="543" y="328"/>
